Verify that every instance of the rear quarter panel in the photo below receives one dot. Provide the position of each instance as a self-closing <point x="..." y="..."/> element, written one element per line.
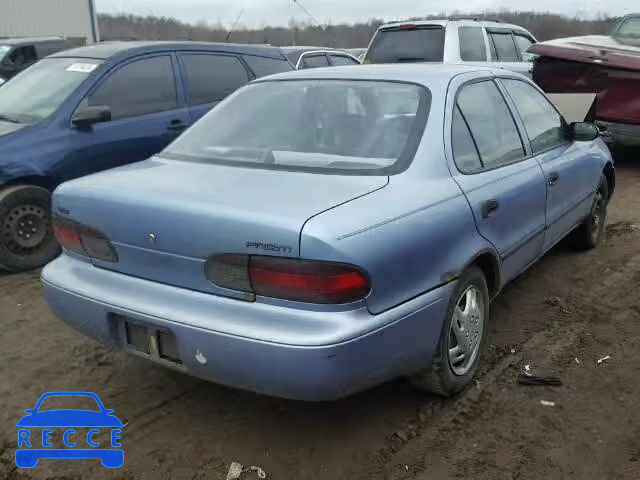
<point x="410" y="237"/>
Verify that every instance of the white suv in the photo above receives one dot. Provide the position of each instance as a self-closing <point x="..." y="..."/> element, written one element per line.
<point x="468" y="41"/>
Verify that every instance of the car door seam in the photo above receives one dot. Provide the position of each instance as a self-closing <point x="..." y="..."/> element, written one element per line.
<point x="398" y="217"/>
<point x="521" y="244"/>
<point x="331" y="208"/>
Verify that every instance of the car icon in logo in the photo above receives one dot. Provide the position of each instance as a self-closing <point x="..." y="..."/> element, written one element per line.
<point x="40" y="427"/>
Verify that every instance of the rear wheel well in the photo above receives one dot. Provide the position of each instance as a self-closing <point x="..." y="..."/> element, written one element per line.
<point x="489" y="265"/>
<point x="610" y="174"/>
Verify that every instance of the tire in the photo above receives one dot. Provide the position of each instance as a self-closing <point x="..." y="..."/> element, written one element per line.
<point x="26" y="237"/>
<point x="588" y="234"/>
<point x="445" y="376"/>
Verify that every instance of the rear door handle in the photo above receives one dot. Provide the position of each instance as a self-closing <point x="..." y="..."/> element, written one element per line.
<point x="553" y="178"/>
<point x="176" y="125"/>
<point x="489" y="208"/>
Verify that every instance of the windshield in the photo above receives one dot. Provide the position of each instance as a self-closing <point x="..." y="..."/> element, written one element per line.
<point x="630" y="28"/>
<point x="36" y="93"/>
<point x="358" y="127"/>
<point x="3" y="51"/>
<point x="407" y="43"/>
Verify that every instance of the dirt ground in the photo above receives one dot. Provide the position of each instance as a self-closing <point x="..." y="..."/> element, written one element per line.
<point x="560" y="317"/>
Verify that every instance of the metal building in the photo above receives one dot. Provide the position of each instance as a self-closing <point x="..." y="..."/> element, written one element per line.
<point x="74" y="19"/>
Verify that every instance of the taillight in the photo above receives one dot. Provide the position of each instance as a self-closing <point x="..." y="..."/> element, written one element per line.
<point x="293" y="279"/>
<point x="83" y="240"/>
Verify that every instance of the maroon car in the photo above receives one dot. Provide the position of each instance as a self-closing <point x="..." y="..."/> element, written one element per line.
<point x="606" y="65"/>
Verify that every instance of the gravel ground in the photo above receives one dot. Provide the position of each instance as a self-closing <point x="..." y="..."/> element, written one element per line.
<point x="560" y="317"/>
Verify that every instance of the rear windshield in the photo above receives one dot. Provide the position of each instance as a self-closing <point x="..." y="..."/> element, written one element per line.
<point x="424" y="43"/>
<point x="330" y="126"/>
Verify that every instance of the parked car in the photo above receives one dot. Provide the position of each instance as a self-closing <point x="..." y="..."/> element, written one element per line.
<point x="16" y="54"/>
<point x="315" y="235"/>
<point x="606" y="65"/>
<point x="89" y="109"/>
<point x="315" y="57"/>
<point x="469" y="41"/>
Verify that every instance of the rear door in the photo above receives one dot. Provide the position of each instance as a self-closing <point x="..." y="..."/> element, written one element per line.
<point x="147" y="114"/>
<point x="473" y="47"/>
<point x="505" y="187"/>
<point x="209" y="78"/>
<point x="505" y="51"/>
<point x="567" y="166"/>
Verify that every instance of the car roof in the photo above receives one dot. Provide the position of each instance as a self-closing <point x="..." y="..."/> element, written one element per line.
<point x="461" y="21"/>
<point x="422" y="74"/>
<point x="119" y="49"/>
<point x="29" y="40"/>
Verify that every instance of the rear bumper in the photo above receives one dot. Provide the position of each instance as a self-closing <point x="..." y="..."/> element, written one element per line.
<point x="374" y="348"/>
<point x="622" y="134"/>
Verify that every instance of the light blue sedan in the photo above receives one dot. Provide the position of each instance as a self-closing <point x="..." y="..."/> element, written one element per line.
<point x="323" y="231"/>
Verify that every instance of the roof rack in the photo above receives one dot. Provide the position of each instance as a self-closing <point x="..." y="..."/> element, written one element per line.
<point x="476" y="19"/>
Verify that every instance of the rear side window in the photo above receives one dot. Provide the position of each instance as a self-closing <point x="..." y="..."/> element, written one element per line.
<point x="138" y="88"/>
<point x="465" y="152"/>
<point x="472" y="45"/>
<point x="210" y="78"/>
<point x="544" y="125"/>
<point x="263" y="66"/>
<point x="407" y="44"/>
<point x="491" y="124"/>
<point x="314" y="61"/>
<point x="504" y="47"/>
<point x="341" y="60"/>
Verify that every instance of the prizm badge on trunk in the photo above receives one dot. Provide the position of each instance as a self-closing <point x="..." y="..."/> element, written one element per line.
<point x="271" y="247"/>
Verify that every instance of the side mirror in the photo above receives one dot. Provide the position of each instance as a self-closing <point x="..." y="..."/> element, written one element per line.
<point x="85" y="117"/>
<point x="584" y="131"/>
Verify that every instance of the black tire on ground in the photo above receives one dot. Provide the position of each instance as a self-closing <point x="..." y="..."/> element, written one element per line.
<point x="26" y="237"/>
<point x="440" y="378"/>
<point x="589" y="232"/>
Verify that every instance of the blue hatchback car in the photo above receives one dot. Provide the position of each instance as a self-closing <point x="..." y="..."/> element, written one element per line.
<point x="323" y="231"/>
<point x="89" y="109"/>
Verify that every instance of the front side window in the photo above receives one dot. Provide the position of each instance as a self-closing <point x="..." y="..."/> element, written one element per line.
<point x="523" y="43"/>
<point x="493" y="128"/>
<point x="37" y="92"/>
<point x="629" y="28"/>
<point x="504" y="47"/>
<point x="407" y="43"/>
<point x="138" y="88"/>
<point x="314" y="61"/>
<point x="211" y="78"/>
<point x="544" y="125"/>
<point x="472" y="45"/>
<point x="335" y="126"/>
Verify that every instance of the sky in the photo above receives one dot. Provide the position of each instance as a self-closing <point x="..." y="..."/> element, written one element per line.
<point x="278" y="12"/>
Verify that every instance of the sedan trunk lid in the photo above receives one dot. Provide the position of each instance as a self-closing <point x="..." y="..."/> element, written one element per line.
<point x="165" y="218"/>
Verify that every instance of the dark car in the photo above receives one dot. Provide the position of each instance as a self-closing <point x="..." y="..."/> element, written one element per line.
<point x="315" y="57"/>
<point x="16" y="54"/>
<point x="607" y="65"/>
<point x="93" y="108"/>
